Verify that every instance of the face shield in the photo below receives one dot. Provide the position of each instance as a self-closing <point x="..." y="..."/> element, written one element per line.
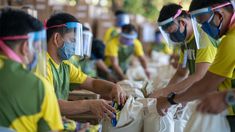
<point x="203" y="18"/>
<point x="122" y="19"/>
<point x="128" y="39"/>
<point x="170" y="30"/>
<point x="37" y="50"/>
<point x="73" y="40"/>
<point x="87" y="43"/>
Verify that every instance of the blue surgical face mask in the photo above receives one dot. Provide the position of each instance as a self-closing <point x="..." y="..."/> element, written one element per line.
<point x="211" y="29"/>
<point x="177" y="36"/>
<point x="66" y="51"/>
<point x="34" y="62"/>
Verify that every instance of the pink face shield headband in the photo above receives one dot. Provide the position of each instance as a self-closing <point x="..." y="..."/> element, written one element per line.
<point x="8" y="51"/>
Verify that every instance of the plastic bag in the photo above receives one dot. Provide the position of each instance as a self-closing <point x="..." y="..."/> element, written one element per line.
<point x="130" y="119"/>
<point x="153" y="122"/>
<point x="200" y="122"/>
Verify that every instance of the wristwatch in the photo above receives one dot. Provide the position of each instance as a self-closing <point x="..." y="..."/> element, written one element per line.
<point x="170" y="98"/>
<point x="230" y="98"/>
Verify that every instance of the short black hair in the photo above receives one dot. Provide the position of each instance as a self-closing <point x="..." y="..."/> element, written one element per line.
<point x="199" y="4"/>
<point x="14" y="22"/>
<point x="119" y="12"/>
<point x="170" y="10"/>
<point x="58" y="19"/>
<point x="128" y="28"/>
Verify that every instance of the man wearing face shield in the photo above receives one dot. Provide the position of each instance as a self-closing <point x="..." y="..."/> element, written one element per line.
<point x="64" y="40"/>
<point x="120" y="49"/>
<point x="216" y="18"/>
<point x="28" y="101"/>
<point x="122" y="18"/>
<point x="196" y="61"/>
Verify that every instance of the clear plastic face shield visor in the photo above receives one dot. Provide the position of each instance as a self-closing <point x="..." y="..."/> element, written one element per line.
<point x="87" y="44"/>
<point x="76" y="37"/>
<point x="37" y="50"/>
<point x="207" y="14"/>
<point x="164" y="25"/>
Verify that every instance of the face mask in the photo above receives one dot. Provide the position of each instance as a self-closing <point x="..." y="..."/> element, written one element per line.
<point x="127" y="42"/>
<point x="34" y="62"/>
<point x="66" y="51"/>
<point x="158" y="39"/>
<point x="212" y="29"/>
<point x="177" y="36"/>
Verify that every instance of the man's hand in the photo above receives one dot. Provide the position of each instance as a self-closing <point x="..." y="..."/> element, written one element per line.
<point x="101" y="107"/>
<point x="213" y="103"/>
<point x="162" y="106"/>
<point x="118" y="94"/>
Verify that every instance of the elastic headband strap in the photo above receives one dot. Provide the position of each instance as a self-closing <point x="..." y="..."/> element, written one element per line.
<point x="9" y="52"/>
<point x="15" y="37"/>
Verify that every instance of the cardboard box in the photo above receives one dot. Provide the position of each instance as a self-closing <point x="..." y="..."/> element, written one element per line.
<point x="82" y="94"/>
<point x="44" y="11"/>
<point x="3" y="3"/>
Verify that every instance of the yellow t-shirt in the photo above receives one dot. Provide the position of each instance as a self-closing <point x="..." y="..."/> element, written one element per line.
<point x="64" y="74"/>
<point x="112" y="48"/>
<point x="110" y="33"/>
<point x="224" y="63"/>
<point x="28" y="102"/>
<point x="204" y="54"/>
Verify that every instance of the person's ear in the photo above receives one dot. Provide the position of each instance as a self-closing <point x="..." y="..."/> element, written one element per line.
<point x="57" y="40"/>
<point x="182" y="22"/>
<point x="24" y="48"/>
<point x="218" y="17"/>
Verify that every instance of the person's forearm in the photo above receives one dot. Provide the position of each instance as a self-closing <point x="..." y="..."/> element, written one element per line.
<point x="143" y="62"/>
<point x="118" y="71"/>
<point x="73" y="107"/>
<point x="176" y="79"/>
<point x="185" y="84"/>
<point x="200" y="89"/>
<point x="178" y="87"/>
<point x="102" y="87"/>
<point x="100" y="64"/>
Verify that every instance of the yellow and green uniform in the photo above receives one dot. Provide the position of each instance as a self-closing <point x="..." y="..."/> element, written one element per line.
<point x="88" y="66"/>
<point x="28" y="102"/>
<point x="194" y="55"/>
<point x="110" y="34"/>
<point x="224" y="63"/>
<point x="62" y="75"/>
<point x="123" y="52"/>
<point x="161" y="47"/>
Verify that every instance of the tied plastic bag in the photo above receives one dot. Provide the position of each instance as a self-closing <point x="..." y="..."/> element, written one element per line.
<point x="132" y="88"/>
<point x="200" y="122"/>
<point x="153" y="122"/>
<point x="182" y="115"/>
<point x="130" y="119"/>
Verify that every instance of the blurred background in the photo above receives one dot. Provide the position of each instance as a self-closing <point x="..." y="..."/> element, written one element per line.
<point x="99" y="14"/>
